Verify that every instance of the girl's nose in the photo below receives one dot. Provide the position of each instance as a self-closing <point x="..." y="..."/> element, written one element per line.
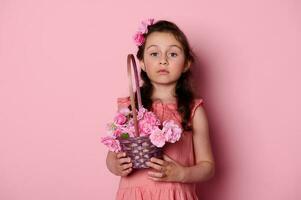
<point x="163" y="61"/>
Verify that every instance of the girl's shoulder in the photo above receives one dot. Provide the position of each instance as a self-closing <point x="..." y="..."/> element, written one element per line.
<point x="123" y="99"/>
<point x="196" y="103"/>
<point x="123" y="102"/>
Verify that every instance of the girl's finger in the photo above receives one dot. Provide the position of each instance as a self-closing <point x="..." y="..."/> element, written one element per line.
<point x="126" y="172"/>
<point x="157" y="160"/>
<point x="156" y="179"/>
<point x="126" y="166"/>
<point x="121" y="155"/>
<point x="156" y="174"/>
<point x="167" y="158"/>
<point x="124" y="160"/>
<point x="155" y="166"/>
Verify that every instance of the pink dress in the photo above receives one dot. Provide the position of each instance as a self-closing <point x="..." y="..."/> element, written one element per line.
<point x="136" y="186"/>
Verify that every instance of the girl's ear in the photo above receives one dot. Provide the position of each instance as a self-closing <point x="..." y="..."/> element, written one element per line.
<point x="187" y="66"/>
<point x="141" y="63"/>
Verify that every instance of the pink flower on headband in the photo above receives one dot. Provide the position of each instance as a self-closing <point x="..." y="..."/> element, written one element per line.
<point x="138" y="37"/>
<point x="144" y="24"/>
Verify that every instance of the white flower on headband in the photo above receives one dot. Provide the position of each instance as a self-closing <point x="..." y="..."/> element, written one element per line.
<point x="138" y="37"/>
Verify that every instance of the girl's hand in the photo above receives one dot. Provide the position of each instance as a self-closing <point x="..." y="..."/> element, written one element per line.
<point x="166" y="170"/>
<point x="119" y="164"/>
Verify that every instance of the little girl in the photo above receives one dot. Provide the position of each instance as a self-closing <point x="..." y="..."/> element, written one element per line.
<point x="165" y="59"/>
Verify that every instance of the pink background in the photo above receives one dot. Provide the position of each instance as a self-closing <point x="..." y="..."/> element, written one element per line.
<point x="63" y="64"/>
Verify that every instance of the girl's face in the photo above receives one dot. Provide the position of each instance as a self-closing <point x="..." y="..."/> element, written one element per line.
<point x="163" y="59"/>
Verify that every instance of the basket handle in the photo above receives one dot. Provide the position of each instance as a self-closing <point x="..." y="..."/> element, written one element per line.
<point x="130" y="58"/>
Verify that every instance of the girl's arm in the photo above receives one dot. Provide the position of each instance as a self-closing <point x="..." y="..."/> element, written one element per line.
<point x="205" y="167"/>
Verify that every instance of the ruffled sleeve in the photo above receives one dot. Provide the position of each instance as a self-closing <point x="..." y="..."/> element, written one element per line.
<point x="197" y="103"/>
<point x="123" y="102"/>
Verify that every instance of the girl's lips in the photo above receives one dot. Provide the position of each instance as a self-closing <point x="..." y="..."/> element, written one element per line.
<point x="163" y="71"/>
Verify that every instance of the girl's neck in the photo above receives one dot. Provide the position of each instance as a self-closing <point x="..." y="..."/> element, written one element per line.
<point x="166" y="93"/>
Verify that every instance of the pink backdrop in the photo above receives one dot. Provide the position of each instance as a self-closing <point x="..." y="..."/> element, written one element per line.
<point x="62" y="66"/>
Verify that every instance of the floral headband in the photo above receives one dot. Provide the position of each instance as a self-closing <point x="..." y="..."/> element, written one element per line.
<point x="138" y="37"/>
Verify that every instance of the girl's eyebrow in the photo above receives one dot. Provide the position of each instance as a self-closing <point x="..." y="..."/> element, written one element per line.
<point x="173" y="45"/>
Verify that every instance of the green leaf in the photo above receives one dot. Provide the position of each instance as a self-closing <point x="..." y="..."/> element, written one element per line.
<point x="125" y="135"/>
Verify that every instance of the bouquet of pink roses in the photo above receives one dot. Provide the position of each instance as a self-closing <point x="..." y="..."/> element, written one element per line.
<point x="148" y="124"/>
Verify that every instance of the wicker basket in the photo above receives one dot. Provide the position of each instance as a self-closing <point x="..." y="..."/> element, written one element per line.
<point x="138" y="148"/>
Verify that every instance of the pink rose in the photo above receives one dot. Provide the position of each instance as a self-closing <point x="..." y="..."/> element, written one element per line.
<point x="120" y="119"/>
<point x="111" y="143"/>
<point x="145" y="128"/>
<point x="171" y="131"/>
<point x="129" y="128"/>
<point x="139" y="38"/>
<point x="151" y="118"/>
<point x="117" y="132"/>
<point x="141" y="113"/>
<point x="125" y="111"/>
<point x="157" y="137"/>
